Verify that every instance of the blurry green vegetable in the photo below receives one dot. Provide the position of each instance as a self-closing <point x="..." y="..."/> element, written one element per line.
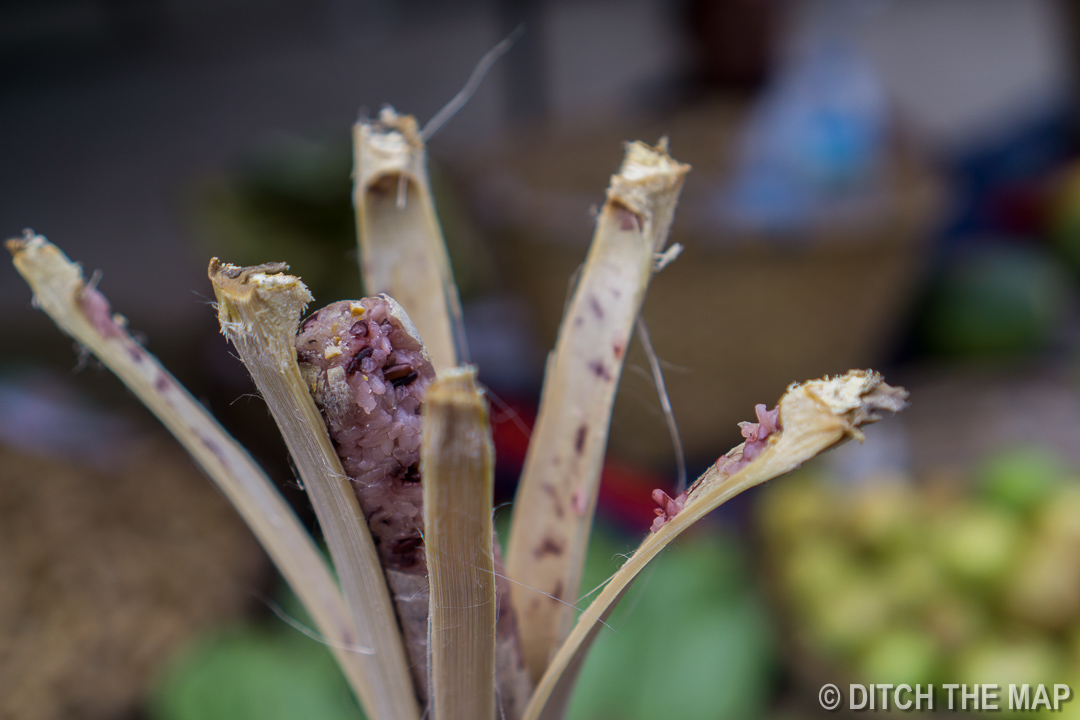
<point x="995" y="300"/>
<point x="977" y="542"/>
<point x="1021" y="479"/>
<point x="710" y="639"/>
<point x="290" y="198"/>
<point x="255" y="671"/>
<point x="901" y="655"/>
<point x="252" y="673"/>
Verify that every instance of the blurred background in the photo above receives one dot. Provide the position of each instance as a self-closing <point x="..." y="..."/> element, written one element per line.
<point x="876" y="183"/>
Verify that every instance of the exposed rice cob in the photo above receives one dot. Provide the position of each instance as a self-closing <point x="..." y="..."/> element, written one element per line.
<point x="368" y="373"/>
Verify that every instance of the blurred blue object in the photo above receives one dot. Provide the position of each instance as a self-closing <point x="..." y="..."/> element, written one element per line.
<point x="816" y="137"/>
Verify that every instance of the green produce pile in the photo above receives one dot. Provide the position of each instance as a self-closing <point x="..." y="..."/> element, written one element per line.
<point x="963" y="582"/>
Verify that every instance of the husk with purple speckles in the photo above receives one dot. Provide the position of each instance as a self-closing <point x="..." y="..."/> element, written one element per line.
<point x="557" y="494"/>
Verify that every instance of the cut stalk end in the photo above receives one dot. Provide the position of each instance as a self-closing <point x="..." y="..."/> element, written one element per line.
<point x="457" y="469"/>
<point x="556" y="498"/>
<point x="402" y="252"/>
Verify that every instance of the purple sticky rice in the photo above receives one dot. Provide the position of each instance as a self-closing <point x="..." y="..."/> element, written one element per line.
<point x="757" y="439"/>
<point x="368" y="376"/>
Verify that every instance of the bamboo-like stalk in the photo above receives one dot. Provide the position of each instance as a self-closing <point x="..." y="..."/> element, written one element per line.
<point x="556" y="499"/>
<point x="84" y="314"/>
<point x="402" y="252"/>
<point x="457" y="470"/>
<point x="814" y="416"/>
<point x="259" y="310"/>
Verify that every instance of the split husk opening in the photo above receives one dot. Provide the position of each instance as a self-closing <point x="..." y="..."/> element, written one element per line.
<point x="403" y="254"/>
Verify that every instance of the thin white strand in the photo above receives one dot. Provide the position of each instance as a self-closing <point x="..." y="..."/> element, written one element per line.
<point x="304" y="629"/>
<point x="665" y="403"/>
<point x="471" y="85"/>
